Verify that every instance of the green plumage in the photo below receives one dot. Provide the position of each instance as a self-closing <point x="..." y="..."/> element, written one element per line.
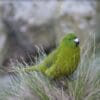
<point x="61" y="62"/>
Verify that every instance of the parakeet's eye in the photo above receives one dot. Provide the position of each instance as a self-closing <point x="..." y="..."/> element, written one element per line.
<point x="77" y="41"/>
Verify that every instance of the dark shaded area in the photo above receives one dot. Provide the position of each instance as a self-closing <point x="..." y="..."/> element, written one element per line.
<point x="18" y="47"/>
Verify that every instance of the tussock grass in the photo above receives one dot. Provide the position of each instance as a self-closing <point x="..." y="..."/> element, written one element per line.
<point x="84" y="84"/>
<point x="87" y="84"/>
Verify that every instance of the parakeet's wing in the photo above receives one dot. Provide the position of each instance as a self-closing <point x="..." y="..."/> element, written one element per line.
<point x="50" y="59"/>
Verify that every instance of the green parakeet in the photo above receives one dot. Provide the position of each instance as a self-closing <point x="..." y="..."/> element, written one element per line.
<point x="61" y="62"/>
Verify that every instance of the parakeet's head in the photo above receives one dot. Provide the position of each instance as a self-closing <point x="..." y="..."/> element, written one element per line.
<point x="71" y="40"/>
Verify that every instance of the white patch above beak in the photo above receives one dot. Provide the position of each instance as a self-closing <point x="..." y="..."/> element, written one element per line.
<point x="76" y="40"/>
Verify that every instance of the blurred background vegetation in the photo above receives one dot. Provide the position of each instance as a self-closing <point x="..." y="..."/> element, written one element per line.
<point x="24" y="25"/>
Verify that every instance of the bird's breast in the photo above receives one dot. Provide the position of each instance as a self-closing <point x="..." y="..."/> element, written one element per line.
<point x="68" y="60"/>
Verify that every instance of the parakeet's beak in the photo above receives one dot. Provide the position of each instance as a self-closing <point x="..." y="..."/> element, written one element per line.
<point x="76" y="41"/>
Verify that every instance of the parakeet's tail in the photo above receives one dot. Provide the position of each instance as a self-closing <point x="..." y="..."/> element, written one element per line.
<point x="37" y="68"/>
<point x="27" y="69"/>
<point x="31" y="69"/>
